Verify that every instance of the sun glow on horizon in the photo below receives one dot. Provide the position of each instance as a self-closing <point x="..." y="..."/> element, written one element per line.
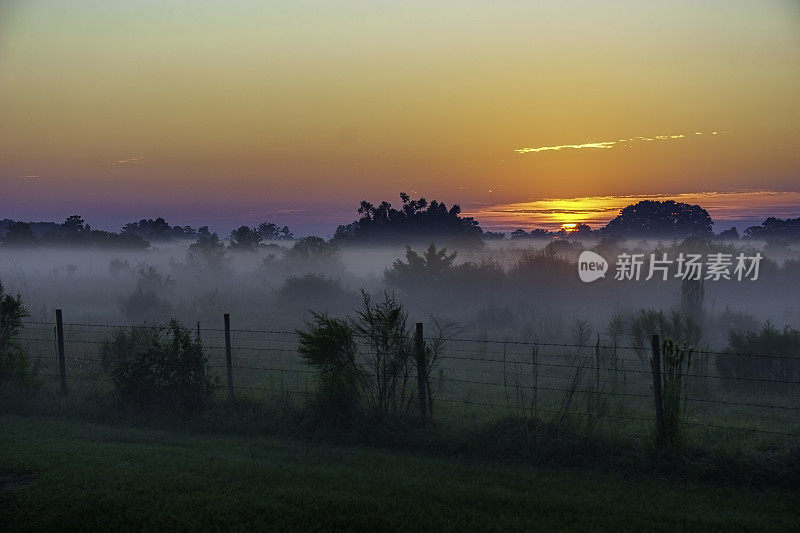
<point x="595" y="211"/>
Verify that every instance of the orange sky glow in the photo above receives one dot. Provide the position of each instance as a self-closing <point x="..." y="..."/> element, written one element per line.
<point x="531" y="113"/>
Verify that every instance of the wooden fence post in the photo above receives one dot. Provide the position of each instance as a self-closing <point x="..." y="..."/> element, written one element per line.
<point x="228" y="355"/>
<point x="62" y="357"/>
<point x="422" y="373"/>
<point x="655" y="364"/>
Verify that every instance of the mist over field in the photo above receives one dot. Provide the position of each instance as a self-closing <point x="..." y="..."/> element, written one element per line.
<point x="509" y="294"/>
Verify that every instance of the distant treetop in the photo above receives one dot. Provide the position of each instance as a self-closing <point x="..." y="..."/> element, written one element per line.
<point x="415" y="221"/>
<point x="73" y="232"/>
<point x="775" y="228"/>
<point x="159" y="230"/>
<point x="660" y="220"/>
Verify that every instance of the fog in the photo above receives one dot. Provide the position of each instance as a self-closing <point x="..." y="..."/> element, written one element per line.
<point x="523" y="289"/>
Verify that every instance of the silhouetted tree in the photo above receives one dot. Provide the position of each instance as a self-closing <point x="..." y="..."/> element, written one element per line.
<point x="537" y="233"/>
<point x="311" y="247"/>
<point x="207" y="250"/>
<point x="429" y="267"/>
<point x="775" y="228"/>
<point x="271" y="232"/>
<point x="416" y="220"/>
<point x="729" y="234"/>
<point x="434" y="272"/>
<point x="653" y="219"/>
<point x="245" y="239"/>
<point x="73" y="231"/>
<point x="158" y="230"/>
<point x="19" y="235"/>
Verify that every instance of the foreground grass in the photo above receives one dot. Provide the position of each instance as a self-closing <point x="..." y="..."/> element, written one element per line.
<point x="75" y="475"/>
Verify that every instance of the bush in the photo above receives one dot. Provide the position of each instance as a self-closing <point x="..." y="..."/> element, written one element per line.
<point x="739" y="362"/>
<point x="13" y="363"/>
<point x="383" y="327"/>
<point x="158" y="367"/>
<point x="381" y="380"/>
<point x="676" y="365"/>
<point x="329" y="345"/>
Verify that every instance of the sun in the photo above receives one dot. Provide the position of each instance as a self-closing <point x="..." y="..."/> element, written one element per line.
<point x="569" y="227"/>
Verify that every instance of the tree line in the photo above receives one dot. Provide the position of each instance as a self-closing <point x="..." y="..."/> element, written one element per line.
<point x="415" y="221"/>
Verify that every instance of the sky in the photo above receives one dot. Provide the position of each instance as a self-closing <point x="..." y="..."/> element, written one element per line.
<point x="236" y="112"/>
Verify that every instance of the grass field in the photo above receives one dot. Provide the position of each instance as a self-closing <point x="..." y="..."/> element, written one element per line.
<point x="67" y="475"/>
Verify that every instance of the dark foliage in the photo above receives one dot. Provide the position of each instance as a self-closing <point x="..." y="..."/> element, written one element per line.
<point x="667" y="220"/>
<point x="73" y="231"/>
<point x="312" y="247"/>
<point x="19" y="235"/>
<point x="273" y="232"/>
<point x="649" y="322"/>
<point x="775" y="228"/>
<point x="13" y="363"/>
<point x="158" y="230"/>
<point x="245" y="239"/>
<point x="415" y="221"/>
<point x="389" y="360"/>
<point x="158" y="367"/>
<point x="767" y="341"/>
<point x="731" y="234"/>
<point x="537" y="233"/>
<point x="329" y="345"/>
<point x="434" y="272"/>
<point x="300" y="292"/>
<point x="207" y="250"/>
<point x="145" y="303"/>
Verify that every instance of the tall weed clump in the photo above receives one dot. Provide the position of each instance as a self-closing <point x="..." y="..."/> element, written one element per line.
<point x="13" y="362"/>
<point x="329" y="345"/>
<point x="389" y="357"/>
<point x="367" y="363"/>
<point x="676" y="363"/>
<point x="768" y="354"/>
<point x="158" y="368"/>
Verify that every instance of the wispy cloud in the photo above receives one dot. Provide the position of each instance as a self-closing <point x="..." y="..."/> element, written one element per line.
<point x="138" y="160"/>
<point x="607" y="144"/>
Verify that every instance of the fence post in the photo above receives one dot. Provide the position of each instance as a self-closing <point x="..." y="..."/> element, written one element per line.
<point x="655" y="364"/>
<point x="422" y="373"/>
<point x="62" y="357"/>
<point x="228" y="357"/>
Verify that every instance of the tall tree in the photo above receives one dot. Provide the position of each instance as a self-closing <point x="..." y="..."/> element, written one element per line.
<point x="654" y="219"/>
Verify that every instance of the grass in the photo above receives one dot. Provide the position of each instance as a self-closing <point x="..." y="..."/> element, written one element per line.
<point x="65" y="474"/>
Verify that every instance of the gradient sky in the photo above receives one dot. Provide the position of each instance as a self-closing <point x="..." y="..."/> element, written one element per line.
<point x="236" y="112"/>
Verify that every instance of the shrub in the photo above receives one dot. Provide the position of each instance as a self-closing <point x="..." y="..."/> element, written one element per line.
<point x="738" y="362"/>
<point x="158" y="367"/>
<point x="367" y="364"/>
<point x="390" y="361"/>
<point x="676" y="364"/>
<point x="329" y="345"/>
<point x="650" y="322"/>
<point x="13" y="363"/>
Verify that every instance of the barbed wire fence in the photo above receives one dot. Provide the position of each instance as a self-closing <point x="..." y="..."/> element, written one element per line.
<point x="479" y="377"/>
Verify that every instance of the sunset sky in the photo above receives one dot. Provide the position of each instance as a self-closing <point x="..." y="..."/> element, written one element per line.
<point x="236" y="112"/>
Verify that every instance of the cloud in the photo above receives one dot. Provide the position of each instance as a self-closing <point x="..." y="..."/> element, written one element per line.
<point x="138" y="160"/>
<point x="606" y="144"/>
